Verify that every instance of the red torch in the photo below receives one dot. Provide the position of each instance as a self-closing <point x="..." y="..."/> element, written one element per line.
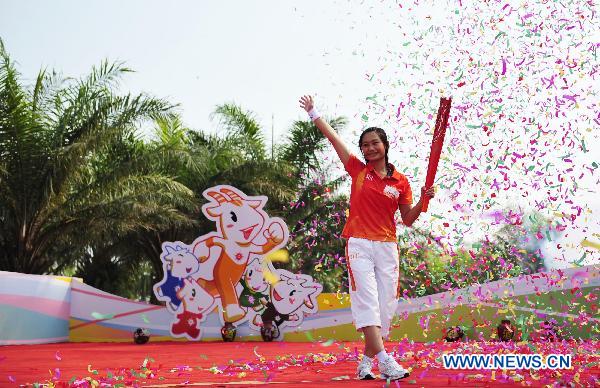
<point x="441" y="122"/>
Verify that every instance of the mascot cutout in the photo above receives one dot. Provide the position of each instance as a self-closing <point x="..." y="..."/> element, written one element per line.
<point x="291" y="297"/>
<point x="227" y="270"/>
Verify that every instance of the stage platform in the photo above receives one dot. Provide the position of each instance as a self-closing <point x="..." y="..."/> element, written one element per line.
<point x="286" y="364"/>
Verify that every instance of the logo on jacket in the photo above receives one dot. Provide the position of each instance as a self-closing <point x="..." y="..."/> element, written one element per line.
<point x="391" y="191"/>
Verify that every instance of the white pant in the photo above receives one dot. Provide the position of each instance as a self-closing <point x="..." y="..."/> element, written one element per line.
<point x="373" y="280"/>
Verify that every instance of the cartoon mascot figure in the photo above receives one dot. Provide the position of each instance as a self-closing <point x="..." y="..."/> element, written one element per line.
<point x="292" y="297"/>
<point x="244" y="230"/>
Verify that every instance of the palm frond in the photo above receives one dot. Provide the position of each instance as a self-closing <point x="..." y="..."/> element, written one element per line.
<point x="305" y="143"/>
<point x="65" y="166"/>
<point x="238" y="122"/>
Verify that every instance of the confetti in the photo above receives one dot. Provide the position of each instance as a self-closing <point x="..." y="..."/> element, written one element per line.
<point x="280" y="255"/>
<point x="100" y="316"/>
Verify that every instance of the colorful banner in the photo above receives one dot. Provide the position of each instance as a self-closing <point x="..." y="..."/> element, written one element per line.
<point x="527" y="301"/>
<point x="34" y="309"/>
<point x="96" y="316"/>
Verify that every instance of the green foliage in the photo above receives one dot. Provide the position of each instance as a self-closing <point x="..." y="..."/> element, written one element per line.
<point x="316" y="246"/>
<point x="65" y="177"/>
<point x="305" y="146"/>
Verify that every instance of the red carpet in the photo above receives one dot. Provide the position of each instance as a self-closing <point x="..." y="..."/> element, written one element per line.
<point x="283" y="364"/>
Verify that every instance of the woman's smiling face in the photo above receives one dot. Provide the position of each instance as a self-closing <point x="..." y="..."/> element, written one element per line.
<point x="372" y="147"/>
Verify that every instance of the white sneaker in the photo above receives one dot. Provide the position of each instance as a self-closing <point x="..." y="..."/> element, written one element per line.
<point x="364" y="369"/>
<point x="391" y="370"/>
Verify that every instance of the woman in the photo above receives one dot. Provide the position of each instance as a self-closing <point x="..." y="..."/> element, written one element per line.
<point x="378" y="190"/>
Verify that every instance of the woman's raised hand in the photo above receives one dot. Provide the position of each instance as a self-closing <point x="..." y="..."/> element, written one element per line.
<point x="428" y="192"/>
<point x="306" y="103"/>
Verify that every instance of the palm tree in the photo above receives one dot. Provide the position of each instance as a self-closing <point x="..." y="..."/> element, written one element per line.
<point x="305" y="145"/>
<point x="65" y="180"/>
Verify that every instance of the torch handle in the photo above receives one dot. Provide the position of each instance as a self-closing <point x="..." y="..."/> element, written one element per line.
<point x="441" y="123"/>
